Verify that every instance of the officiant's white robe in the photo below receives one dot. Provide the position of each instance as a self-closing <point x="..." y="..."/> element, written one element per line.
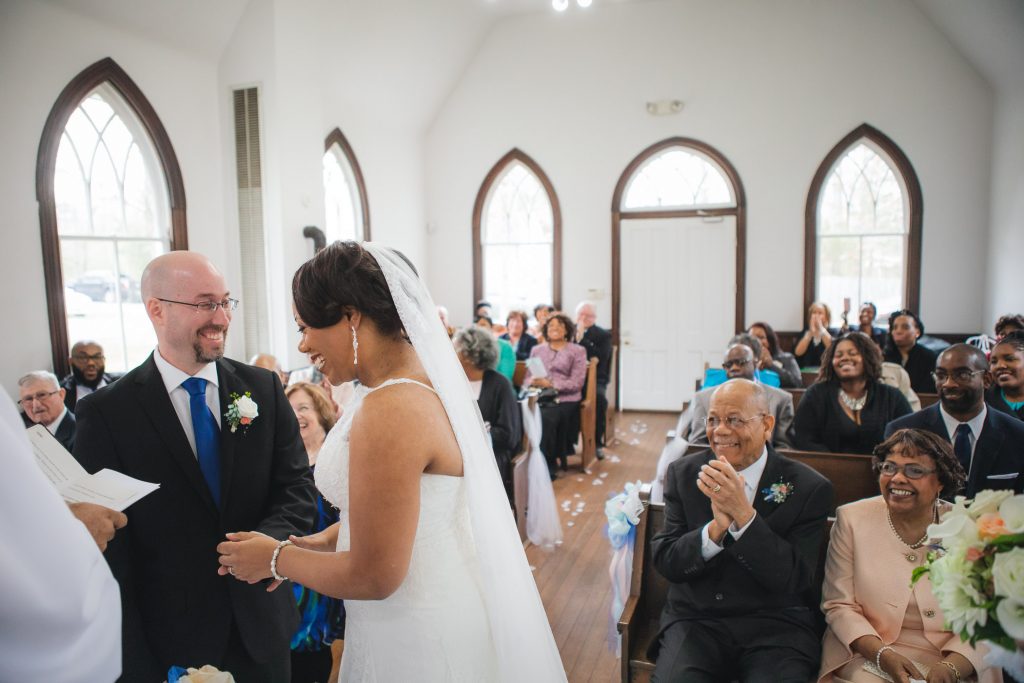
<point x="60" y="615"/>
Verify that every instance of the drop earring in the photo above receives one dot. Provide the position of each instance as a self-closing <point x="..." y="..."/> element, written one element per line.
<point x="355" y="347"/>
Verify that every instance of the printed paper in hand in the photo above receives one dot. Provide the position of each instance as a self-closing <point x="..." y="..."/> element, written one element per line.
<point x="536" y="367"/>
<point x="107" y="488"/>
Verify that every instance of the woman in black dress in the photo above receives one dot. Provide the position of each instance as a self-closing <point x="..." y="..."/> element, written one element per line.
<point x="901" y="346"/>
<point x="847" y="409"/>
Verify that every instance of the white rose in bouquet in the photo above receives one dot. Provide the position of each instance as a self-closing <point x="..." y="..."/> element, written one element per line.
<point x="1008" y="574"/>
<point x="1012" y="512"/>
<point x="957" y="530"/>
<point x="987" y="501"/>
<point x="247" y="407"/>
<point x="1010" y="614"/>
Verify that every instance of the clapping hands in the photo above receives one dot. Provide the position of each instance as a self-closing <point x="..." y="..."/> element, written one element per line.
<point x="725" y="487"/>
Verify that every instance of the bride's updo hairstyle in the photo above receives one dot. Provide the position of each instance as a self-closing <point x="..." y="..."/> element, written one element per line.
<point x="341" y="277"/>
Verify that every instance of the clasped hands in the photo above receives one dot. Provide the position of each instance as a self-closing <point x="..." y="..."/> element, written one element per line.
<point x="246" y="555"/>
<point x="725" y="487"/>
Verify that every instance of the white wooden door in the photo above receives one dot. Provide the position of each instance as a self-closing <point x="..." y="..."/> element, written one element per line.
<point x="677" y="306"/>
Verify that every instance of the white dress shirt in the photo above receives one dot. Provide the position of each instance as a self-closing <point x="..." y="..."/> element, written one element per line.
<point x="975" y="423"/>
<point x="173" y="377"/>
<point x="751" y="478"/>
<point x="60" y="615"/>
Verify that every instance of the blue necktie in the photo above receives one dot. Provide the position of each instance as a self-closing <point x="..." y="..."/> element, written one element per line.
<point x="962" y="446"/>
<point x="204" y="427"/>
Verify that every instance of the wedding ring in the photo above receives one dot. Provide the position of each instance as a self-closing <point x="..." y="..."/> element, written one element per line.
<point x="718" y="487"/>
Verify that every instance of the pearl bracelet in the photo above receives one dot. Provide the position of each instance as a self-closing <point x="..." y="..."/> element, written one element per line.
<point x="952" y="667"/>
<point x="878" y="655"/>
<point x="273" y="560"/>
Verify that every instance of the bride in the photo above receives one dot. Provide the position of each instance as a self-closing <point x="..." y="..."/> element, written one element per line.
<point x="426" y="555"/>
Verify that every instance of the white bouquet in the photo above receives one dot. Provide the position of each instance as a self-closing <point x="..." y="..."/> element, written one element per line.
<point x="977" y="568"/>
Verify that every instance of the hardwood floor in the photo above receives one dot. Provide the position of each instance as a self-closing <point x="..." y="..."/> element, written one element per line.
<point x="573" y="579"/>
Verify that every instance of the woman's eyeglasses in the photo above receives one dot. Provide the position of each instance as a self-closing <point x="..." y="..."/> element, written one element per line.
<point x="911" y="470"/>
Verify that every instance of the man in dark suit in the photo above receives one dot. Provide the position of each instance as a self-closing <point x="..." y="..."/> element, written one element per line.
<point x="88" y="372"/>
<point x="744" y="528"/>
<point x="42" y="399"/>
<point x="989" y="444"/>
<point x="598" y="343"/>
<point x="181" y="420"/>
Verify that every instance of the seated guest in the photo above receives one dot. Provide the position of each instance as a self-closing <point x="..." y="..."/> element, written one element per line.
<point x="482" y="308"/>
<point x="541" y="313"/>
<point x="739" y="363"/>
<point x="269" y="362"/>
<point x="88" y="372"/>
<point x="772" y="357"/>
<point x="988" y="444"/>
<point x="42" y="399"/>
<point x="1007" y="324"/>
<point x="478" y="352"/>
<point x="901" y="347"/>
<point x="598" y="343"/>
<point x="743" y="532"/>
<point x="874" y="614"/>
<point x="847" y="409"/>
<point x="566" y="365"/>
<point x="506" y="354"/>
<point x="866" y="323"/>
<point x="1007" y="366"/>
<point x="817" y="337"/>
<point x="322" y="619"/>
<point x="522" y="341"/>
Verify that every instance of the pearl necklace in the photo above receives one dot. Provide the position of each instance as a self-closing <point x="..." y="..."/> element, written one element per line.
<point x="911" y="556"/>
<point x="854" y="404"/>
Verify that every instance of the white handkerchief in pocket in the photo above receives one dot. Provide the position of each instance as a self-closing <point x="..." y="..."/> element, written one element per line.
<point x="1007" y="475"/>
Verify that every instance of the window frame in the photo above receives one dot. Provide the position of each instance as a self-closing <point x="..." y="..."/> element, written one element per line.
<point x="104" y="71"/>
<point x="913" y="202"/>
<point x="492" y="176"/>
<point x="739" y="211"/>
<point x="336" y="137"/>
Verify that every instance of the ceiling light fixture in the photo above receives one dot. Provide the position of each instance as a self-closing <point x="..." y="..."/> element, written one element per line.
<point x="562" y="5"/>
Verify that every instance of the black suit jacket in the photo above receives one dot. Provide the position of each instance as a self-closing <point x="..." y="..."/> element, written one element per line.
<point x="70" y="386"/>
<point x="66" y="431"/>
<point x="598" y="343"/>
<point x="998" y="453"/>
<point x="176" y="609"/>
<point x="771" y="569"/>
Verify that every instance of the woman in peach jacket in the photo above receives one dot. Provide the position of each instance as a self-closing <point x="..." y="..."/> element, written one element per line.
<point x="873" y="613"/>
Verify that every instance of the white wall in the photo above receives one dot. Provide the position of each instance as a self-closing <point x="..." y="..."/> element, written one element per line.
<point x="1006" y="238"/>
<point x="42" y="47"/>
<point x="773" y="86"/>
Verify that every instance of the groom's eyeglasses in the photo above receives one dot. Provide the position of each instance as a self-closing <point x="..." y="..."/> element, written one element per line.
<point x="205" y="306"/>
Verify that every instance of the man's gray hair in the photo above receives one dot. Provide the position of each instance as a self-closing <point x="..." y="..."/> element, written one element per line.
<point x="40" y="376"/>
<point x="580" y="305"/>
<point x="747" y="340"/>
<point x="478" y="346"/>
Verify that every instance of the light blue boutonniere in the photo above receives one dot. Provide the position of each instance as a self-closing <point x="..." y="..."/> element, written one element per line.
<point x="778" y="492"/>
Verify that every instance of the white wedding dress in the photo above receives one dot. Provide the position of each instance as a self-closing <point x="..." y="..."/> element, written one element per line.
<point x="434" y="627"/>
<point x="469" y="609"/>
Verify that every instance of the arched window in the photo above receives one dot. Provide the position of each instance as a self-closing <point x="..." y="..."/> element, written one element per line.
<point x="345" y="203"/>
<point x="863" y="218"/>
<point x="517" y="236"/>
<point x="111" y="198"/>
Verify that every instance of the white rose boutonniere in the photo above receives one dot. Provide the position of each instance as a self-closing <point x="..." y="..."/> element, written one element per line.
<point x="242" y="411"/>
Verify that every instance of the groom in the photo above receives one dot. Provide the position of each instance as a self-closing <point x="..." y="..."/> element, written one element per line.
<point x="171" y="421"/>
